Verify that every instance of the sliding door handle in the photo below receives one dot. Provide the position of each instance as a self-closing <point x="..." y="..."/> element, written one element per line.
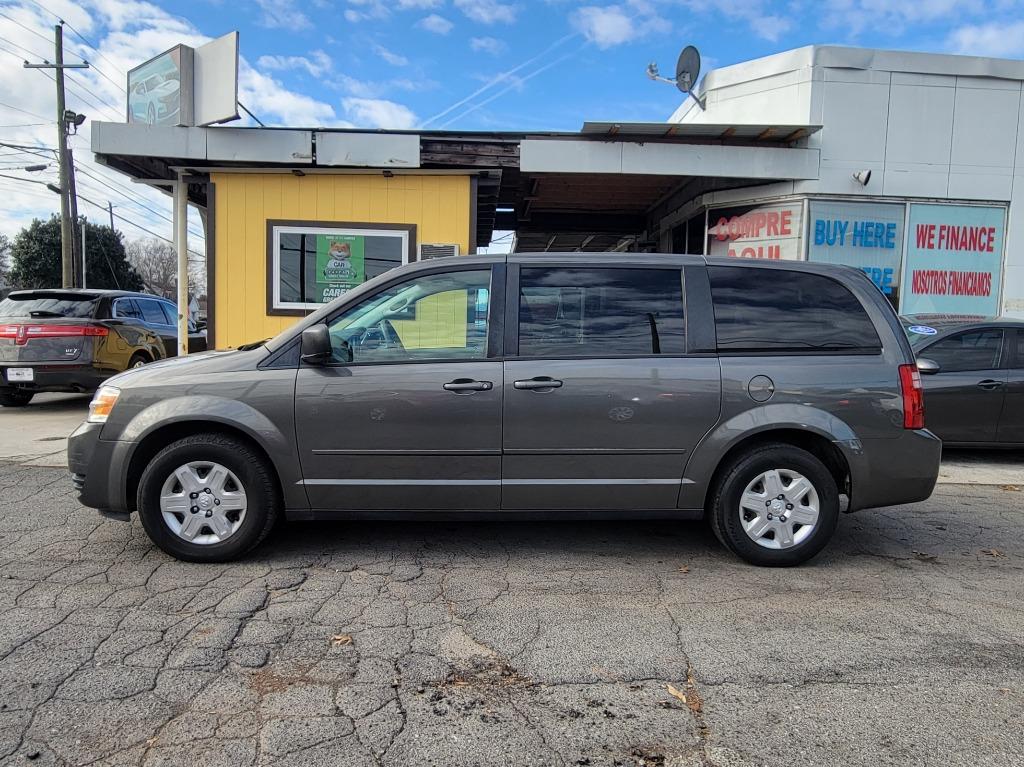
<point x="540" y="383"/>
<point x="467" y="385"/>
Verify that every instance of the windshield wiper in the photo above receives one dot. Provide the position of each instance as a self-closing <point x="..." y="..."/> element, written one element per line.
<point x="250" y="346"/>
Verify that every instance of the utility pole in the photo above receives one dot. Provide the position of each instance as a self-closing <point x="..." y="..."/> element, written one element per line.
<point x="110" y="209"/>
<point x="77" y="254"/>
<point x="67" y="236"/>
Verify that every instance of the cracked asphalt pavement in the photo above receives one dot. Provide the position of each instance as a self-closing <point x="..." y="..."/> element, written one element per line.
<point x="512" y="643"/>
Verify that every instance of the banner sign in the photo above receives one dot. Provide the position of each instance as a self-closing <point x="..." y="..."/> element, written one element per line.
<point x="160" y="91"/>
<point x="954" y="259"/>
<point x="340" y="265"/>
<point x="768" y="231"/>
<point x="866" y="235"/>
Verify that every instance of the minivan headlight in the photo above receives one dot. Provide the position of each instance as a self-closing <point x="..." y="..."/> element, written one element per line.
<point x="102" y="403"/>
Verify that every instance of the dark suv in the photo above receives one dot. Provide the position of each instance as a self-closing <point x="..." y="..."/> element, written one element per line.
<point x="752" y="393"/>
<point x="73" y="340"/>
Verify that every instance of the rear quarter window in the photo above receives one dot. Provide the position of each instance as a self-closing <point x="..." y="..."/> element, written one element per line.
<point x="779" y="311"/>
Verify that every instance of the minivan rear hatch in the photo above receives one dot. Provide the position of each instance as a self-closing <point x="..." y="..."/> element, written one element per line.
<point x="48" y="326"/>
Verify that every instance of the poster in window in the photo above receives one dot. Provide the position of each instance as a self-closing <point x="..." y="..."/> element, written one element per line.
<point x="340" y="264"/>
<point x="954" y="259"/>
<point x="756" y="231"/>
<point x="866" y="235"/>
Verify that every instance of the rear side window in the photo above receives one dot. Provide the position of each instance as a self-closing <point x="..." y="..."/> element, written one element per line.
<point x="125" y="307"/>
<point x="761" y="310"/>
<point x="584" y="312"/>
<point x="42" y="305"/>
<point x="151" y="311"/>
<point x="977" y="350"/>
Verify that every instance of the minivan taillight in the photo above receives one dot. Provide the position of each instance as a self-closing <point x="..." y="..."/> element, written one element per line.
<point x="913" y="397"/>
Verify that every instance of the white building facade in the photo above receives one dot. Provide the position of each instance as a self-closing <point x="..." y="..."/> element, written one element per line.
<point x="920" y="176"/>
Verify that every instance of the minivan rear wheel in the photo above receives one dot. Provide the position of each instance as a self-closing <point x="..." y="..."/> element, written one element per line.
<point x="208" y="498"/>
<point x="775" y="505"/>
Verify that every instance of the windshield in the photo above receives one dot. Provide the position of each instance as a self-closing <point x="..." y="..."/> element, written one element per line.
<point x="41" y="306"/>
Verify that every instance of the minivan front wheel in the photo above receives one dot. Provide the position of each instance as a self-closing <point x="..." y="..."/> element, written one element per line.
<point x="775" y="505"/>
<point x="208" y="498"/>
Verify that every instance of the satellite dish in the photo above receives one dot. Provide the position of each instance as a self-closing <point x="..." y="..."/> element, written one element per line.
<point x="687" y="69"/>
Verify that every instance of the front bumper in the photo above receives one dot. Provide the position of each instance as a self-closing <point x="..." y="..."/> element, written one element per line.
<point x="57" y="377"/>
<point x="895" y="471"/>
<point x="98" y="468"/>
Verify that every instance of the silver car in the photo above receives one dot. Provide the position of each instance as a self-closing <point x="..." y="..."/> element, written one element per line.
<point x="751" y="394"/>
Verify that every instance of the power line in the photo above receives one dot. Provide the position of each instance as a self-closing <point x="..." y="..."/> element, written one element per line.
<point x="99" y="98"/>
<point x="29" y="51"/>
<point x="19" y="109"/>
<point x="76" y="33"/>
<point x="27" y="29"/>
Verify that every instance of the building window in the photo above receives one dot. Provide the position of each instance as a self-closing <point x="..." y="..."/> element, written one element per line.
<point x="311" y="263"/>
<point x="866" y="235"/>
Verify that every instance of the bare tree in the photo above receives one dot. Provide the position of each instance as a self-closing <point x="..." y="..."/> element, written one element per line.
<point x="5" y="263"/>
<point x="157" y="263"/>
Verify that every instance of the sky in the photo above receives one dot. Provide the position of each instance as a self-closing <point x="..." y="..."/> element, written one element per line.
<point x="438" y="64"/>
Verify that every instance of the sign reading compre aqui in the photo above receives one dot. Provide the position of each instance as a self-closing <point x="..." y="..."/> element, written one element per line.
<point x="863" y="234"/>
<point x="765" y="231"/>
<point x="954" y="255"/>
<point x="340" y="265"/>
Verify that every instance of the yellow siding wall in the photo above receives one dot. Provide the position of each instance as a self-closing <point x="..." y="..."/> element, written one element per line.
<point x="438" y="205"/>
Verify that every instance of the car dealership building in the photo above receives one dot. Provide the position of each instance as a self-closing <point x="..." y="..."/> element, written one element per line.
<point x="907" y="165"/>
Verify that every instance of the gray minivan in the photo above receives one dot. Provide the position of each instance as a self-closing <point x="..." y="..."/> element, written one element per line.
<point x="751" y="393"/>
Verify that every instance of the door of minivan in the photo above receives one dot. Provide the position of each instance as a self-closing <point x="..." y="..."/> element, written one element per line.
<point x="604" y="393"/>
<point x="408" y="413"/>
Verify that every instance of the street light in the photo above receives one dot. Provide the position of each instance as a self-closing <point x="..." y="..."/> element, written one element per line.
<point x="73" y="120"/>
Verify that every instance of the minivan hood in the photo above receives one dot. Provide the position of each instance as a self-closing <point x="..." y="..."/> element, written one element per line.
<point x="194" y="364"/>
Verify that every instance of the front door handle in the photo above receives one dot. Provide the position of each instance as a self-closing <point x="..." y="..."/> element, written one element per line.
<point x="540" y="383"/>
<point x="989" y="384"/>
<point x="467" y="385"/>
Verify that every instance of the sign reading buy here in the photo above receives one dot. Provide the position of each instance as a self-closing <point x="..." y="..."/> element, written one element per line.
<point x="954" y="254"/>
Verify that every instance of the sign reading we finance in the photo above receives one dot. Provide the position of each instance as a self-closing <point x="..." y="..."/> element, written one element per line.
<point x="954" y="259"/>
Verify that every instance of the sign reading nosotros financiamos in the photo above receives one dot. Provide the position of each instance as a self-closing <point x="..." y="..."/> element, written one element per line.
<point x="767" y="231"/>
<point x="954" y="259"/>
<point x="866" y="235"/>
<point x="340" y="265"/>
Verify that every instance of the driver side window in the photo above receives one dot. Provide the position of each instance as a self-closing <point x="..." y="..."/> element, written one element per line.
<point x="433" y="317"/>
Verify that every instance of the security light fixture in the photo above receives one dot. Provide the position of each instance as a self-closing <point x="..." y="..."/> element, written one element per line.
<point x="73" y="120"/>
<point x="862" y="177"/>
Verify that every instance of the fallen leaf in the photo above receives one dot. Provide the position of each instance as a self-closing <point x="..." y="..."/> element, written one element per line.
<point x="675" y="693"/>
<point x="925" y="557"/>
<point x="338" y="640"/>
<point x="993" y="552"/>
<point x="694" y="702"/>
<point x="684" y="568"/>
<point x="1011" y="488"/>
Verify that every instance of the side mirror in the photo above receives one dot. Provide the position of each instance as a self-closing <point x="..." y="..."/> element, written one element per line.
<point x="927" y="367"/>
<point x="316" y="345"/>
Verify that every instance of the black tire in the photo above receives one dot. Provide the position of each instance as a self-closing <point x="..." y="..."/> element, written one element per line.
<point x="138" y="360"/>
<point x="15" y="397"/>
<point x="263" y="498"/>
<point x="724" y="507"/>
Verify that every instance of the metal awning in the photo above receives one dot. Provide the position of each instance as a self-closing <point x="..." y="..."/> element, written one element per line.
<point x="776" y="134"/>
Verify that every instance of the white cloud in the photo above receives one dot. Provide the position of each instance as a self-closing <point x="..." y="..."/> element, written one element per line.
<point x="317" y="63"/>
<point x="439" y="25"/>
<point x="487" y="11"/>
<point x="392" y="58"/>
<point x="993" y="39"/>
<point x="282" y="14"/>
<point x="605" y="27"/>
<point x="368" y="9"/>
<point x="491" y="45"/>
<point x="419" y="4"/>
<point x="379" y="113"/>
<point x="892" y="16"/>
